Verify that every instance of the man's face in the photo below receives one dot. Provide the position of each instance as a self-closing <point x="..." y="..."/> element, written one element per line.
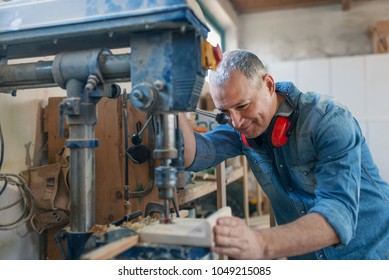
<point x="250" y="107"/>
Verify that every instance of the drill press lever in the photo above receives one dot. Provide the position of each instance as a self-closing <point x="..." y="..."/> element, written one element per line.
<point x="221" y="118"/>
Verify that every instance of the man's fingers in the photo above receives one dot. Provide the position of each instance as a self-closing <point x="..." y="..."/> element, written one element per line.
<point x="222" y="241"/>
<point x="229" y="221"/>
<point x="228" y="251"/>
<point x="228" y="227"/>
<point x="228" y="237"/>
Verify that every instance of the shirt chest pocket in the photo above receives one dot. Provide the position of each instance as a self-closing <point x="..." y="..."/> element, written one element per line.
<point x="304" y="176"/>
<point x="260" y="161"/>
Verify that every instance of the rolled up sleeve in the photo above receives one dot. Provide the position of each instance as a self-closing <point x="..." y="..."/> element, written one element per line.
<point x="338" y="172"/>
<point x="214" y="147"/>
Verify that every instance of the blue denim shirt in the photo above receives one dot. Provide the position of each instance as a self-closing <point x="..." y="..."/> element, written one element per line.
<point x="325" y="167"/>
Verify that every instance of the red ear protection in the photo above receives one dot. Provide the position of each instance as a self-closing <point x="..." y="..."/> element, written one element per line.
<point x="278" y="132"/>
<point x="280" y="127"/>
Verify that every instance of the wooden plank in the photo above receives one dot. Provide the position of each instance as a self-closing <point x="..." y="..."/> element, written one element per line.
<point x="112" y="249"/>
<point x="255" y="6"/>
<point x="184" y="231"/>
<point x="259" y="222"/>
<point x="221" y="195"/>
<point x="194" y="191"/>
<point x="381" y="37"/>
<point x="203" y="187"/>
<point x="235" y="175"/>
<point x="250" y="6"/>
<point x="245" y="190"/>
<point x="108" y="175"/>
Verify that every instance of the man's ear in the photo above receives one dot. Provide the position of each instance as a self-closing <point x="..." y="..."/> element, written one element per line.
<point x="269" y="82"/>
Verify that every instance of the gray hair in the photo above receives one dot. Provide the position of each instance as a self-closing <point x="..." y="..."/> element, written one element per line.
<point x="238" y="60"/>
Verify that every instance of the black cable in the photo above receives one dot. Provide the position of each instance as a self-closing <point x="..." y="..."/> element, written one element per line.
<point x="175" y="208"/>
<point x="11" y="205"/>
<point x="4" y="186"/>
<point x="1" y="147"/>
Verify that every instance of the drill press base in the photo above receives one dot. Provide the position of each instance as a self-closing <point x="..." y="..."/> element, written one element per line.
<point x="166" y="252"/>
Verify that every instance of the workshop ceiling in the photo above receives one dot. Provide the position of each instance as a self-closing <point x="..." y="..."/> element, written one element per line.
<point x="255" y="6"/>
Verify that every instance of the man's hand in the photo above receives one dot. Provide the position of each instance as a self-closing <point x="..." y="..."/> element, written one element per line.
<point x="306" y="234"/>
<point x="234" y="239"/>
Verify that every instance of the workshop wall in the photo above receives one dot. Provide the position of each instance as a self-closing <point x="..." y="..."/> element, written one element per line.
<point x="324" y="31"/>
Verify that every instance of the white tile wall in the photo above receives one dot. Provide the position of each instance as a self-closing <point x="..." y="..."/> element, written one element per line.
<point x="378" y="132"/>
<point x="314" y="75"/>
<point x="377" y="89"/>
<point x="348" y="83"/>
<point x="285" y="71"/>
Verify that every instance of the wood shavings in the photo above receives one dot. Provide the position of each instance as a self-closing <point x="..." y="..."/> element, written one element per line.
<point x="135" y="225"/>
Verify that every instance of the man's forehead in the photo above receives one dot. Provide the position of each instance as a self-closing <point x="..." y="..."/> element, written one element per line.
<point x="228" y="103"/>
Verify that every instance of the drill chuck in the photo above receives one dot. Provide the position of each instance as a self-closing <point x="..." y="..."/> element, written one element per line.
<point x="166" y="180"/>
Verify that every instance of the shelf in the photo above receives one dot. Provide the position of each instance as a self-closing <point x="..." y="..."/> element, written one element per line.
<point x="203" y="187"/>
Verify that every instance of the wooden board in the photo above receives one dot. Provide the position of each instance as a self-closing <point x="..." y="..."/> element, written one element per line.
<point x="111" y="250"/>
<point x="184" y="231"/>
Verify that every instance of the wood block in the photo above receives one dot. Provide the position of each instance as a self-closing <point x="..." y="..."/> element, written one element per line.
<point x="111" y="250"/>
<point x="381" y="37"/>
<point x="184" y="231"/>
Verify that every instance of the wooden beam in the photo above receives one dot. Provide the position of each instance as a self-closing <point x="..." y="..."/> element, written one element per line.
<point x="112" y="249"/>
<point x="221" y="195"/>
<point x="251" y="6"/>
<point x="184" y="231"/>
<point x="346" y="5"/>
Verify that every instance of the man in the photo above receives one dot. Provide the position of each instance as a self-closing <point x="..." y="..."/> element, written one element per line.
<point x="309" y="156"/>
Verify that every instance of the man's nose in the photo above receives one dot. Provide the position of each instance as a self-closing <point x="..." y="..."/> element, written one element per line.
<point x="236" y="119"/>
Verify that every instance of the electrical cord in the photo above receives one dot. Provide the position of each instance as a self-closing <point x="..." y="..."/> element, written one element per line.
<point x="1" y="147"/>
<point x="27" y="198"/>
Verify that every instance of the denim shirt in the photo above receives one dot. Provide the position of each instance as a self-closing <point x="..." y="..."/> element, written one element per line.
<point x="325" y="167"/>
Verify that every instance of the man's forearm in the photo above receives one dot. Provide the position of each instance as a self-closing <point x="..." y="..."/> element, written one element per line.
<point x="189" y="140"/>
<point x="307" y="234"/>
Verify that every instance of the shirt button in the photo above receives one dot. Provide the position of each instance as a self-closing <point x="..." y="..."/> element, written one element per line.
<point x="302" y="212"/>
<point x="290" y="189"/>
<point x="321" y="256"/>
<point x="281" y="165"/>
<point x="305" y="173"/>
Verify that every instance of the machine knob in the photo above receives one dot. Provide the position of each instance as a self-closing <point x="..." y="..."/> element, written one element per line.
<point x="143" y="96"/>
<point x="222" y="118"/>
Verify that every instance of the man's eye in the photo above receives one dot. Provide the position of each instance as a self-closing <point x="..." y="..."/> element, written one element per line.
<point x="242" y="107"/>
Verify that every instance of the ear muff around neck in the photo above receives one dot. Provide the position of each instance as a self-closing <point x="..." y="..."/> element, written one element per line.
<point x="278" y="132"/>
<point x="283" y="123"/>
